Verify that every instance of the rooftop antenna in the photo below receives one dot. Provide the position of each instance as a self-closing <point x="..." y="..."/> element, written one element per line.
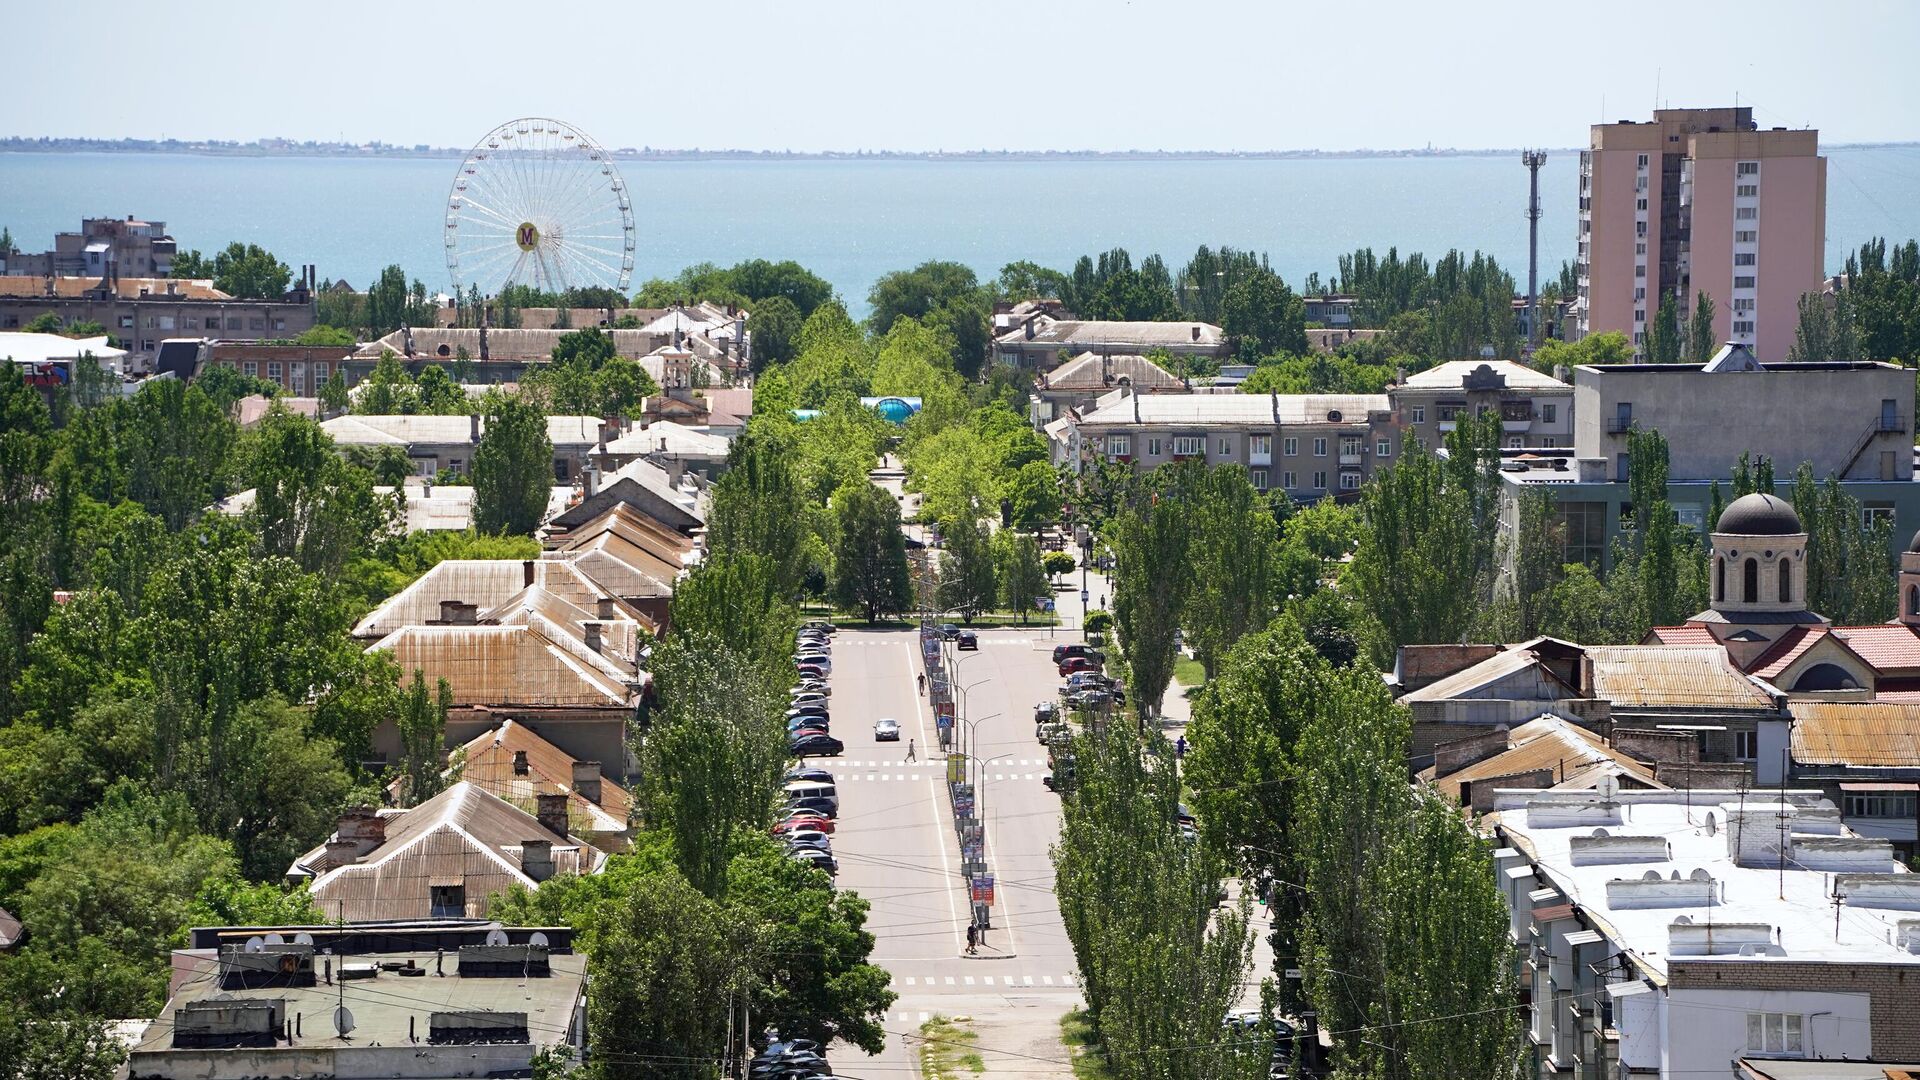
<point x="1533" y="159"/>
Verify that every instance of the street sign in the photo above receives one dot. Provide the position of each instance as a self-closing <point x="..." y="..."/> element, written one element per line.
<point x="1085" y="595"/>
<point x="983" y="889"/>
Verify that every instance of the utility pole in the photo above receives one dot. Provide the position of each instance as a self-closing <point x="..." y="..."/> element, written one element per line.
<point x="1533" y="159"/>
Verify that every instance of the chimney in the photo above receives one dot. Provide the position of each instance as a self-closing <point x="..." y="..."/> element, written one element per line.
<point x="591" y="479"/>
<point x="519" y="763"/>
<point x="552" y="813"/>
<point x="536" y="859"/>
<point x="458" y="613"/>
<point x="604" y="608"/>
<point x="407" y="339"/>
<point x="1029" y="329"/>
<point x="1196" y="333"/>
<point x="526" y="573"/>
<point x="586" y="780"/>
<point x="363" y="827"/>
<point x="483" y="335"/>
<point x="473" y="428"/>
<point x="593" y="635"/>
<point x="341" y="853"/>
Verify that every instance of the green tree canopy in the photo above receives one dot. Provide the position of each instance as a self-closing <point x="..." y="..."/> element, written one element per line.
<point x="512" y="467"/>
<point x="870" y="553"/>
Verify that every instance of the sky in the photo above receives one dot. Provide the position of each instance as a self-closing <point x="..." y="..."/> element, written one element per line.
<point x="810" y="75"/>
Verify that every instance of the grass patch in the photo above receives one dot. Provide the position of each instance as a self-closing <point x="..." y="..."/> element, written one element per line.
<point x="1188" y="672"/>
<point x="1083" y="1045"/>
<point x="946" y="1048"/>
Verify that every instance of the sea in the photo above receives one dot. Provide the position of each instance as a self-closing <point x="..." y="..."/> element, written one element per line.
<point x="852" y="221"/>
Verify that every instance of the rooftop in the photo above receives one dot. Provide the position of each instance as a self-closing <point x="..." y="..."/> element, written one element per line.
<point x="1576" y="756"/>
<point x="674" y="440"/>
<point x="1672" y="676"/>
<point x="22" y="287"/>
<point x="1238" y="410"/>
<point x="1649" y="897"/>
<point x="1870" y="734"/>
<point x="1458" y="374"/>
<point x="504" y="665"/>
<point x="1089" y="371"/>
<point x="489" y="763"/>
<point x="24" y="348"/>
<point x="1093" y="334"/>
<point x="421" y="430"/>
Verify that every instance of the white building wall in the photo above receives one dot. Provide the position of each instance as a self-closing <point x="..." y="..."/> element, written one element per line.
<point x="1710" y="1026"/>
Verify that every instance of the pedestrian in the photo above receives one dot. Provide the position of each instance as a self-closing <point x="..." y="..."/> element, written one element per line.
<point x="910" y="753"/>
<point x="1180" y="748"/>
<point x="923" y="684"/>
<point x="973" y="939"/>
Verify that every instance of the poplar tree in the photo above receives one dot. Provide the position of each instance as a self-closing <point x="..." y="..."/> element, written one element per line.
<point x="1702" y="343"/>
<point x="1232" y="555"/>
<point x="512" y="467"/>
<point x="1151" y="578"/>
<point x="968" y="584"/>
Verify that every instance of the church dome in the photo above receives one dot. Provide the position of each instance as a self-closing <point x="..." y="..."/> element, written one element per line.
<point x="1759" y="515"/>
<point x="1914" y="544"/>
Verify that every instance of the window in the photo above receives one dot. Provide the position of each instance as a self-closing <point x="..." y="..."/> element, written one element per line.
<point x="1640" y="184"/>
<point x="279" y="324"/>
<point x="1873" y="513"/>
<point x="1744" y="281"/>
<point x="1119" y="445"/>
<point x="1349" y="481"/>
<point x="1775" y="1033"/>
<point x="1226" y="446"/>
<point x="1785" y="585"/>
<point x="1743" y="258"/>
<point x="1259" y="478"/>
<point x="1548" y="411"/>
<point x="1747" y="168"/>
<point x="257" y="324"/>
<point x="1742" y="327"/>
<point x="1350" y="446"/>
<point x="126" y="322"/>
<point x="1639" y="314"/>
<point x="1320" y="481"/>
<point x="1746" y="191"/>
<point x="1750" y="590"/>
<point x="1383" y="448"/>
<point x="1260" y="445"/>
<point x="1743" y="303"/>
<point x="1515" y="442"/>
<point x="1746" y="745"/>
<point x="1639" y="228"/>
<point x="1153" y="447"/>
<point x="1746" y="236"/>
<point x="1640" y="204"/>
<point x="1640" y="248"/>
<point x="1620" y="468"/>
<point x="250" y="367"/>
<point x="319" y="372"/>
<point x="1746" y="213"/>
<point x="447" y="901"/>
<point x="1184" y="445"/>
<point x="273" y="370"/>
<point x="1640" y="292"/>
<point x="1549" y="442"/>
<point x="1881" y="805"/>
<point x="1419" y="414"/>
<point x="1642" y="163"/>
<point x="1640" y="270"/>
<point x="1290" y="446"/>
<point x="1286" y="480"/>
<point x="1319" y="448"/>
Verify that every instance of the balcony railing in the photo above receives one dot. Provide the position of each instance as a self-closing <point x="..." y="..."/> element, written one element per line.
<point x="1619" y="425"/>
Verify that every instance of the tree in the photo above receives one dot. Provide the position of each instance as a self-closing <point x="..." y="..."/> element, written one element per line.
<point x="1538" y="566"/>
<point x="1016" y="564"/>
<point x="512" y="467"/>
<point x="1056" y="563"/>
<point x="943" y="294"/>
<point x="1702" y="341"/>
<point x="247" y="271"/>
<point x="969" y="582"/>
<point x="309" y="504"/>
<point x="1231" y="555"/>
<point x="1416" y="571"/>
<point x="1850" y="578"/>
<point x="1033" y="495"/>
<point x="39" y="1048"/>
<point x="1607" y="347"/>
<point x="423" y="731"/>
<point x="326" y="336"/>
<point x="774" y="329"/>
<point x="334" y="398"/>
<point x="1264" y="316"/>
<point x="1151" y="579"/>
<point x="1826" y="330"/>
<point x="1663" y="337"/>
<point x="758" y="507"/>
<point x="870" y="553"/>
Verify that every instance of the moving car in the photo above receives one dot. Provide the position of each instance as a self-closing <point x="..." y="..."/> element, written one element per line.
<point x="886" y="729"/>
<point x="1073" y="664"/>
<point x="949" y="631"/>
<point x="968" y="641"/>
<point x="1061" y="652"/>
<point x="807" y="743"/>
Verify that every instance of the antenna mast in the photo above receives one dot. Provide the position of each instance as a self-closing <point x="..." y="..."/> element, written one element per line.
<point x="1533" y="159"/>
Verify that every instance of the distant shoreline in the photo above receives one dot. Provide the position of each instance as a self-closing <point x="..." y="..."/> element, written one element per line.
<point x="17" y="145"/>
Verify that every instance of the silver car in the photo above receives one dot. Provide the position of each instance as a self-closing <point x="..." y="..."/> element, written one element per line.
<point x="886" y="729"/>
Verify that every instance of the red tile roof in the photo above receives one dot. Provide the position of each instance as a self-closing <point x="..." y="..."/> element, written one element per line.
<point x="1887" y="646"/>
<point x="1690" y="634"/>
<point x="1789" y="647"/>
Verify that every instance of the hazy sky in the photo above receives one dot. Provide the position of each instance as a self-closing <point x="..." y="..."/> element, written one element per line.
<point x="966" y="74"/>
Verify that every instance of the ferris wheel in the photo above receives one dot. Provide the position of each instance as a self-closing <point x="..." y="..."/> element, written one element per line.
<point x="538" y="203"/>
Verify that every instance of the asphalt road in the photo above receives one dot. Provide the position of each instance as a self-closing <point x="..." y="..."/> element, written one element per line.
<point x="896" y="847"/>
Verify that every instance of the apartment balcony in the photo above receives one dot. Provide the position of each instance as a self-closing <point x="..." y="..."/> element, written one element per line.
<point x="1353" y="461"/>
<point x="1619" y="425"/>
<point x="1256" y="457"/>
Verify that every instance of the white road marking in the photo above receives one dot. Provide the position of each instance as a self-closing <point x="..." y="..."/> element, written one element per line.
<point x="915" y="776"/>
<point x="987" y="979"/>
<point x="950" y="980"/>
<point x="969" y="979"/>
<point x="1026" y="980"/>
<point x="1069" y="980"/>
<point x="909" y="980"/>
<point x="1046" y="980"/>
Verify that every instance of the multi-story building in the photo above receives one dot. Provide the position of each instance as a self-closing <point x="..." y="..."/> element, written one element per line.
<point x="1041" y="342"/>
<point x="1081" y="382"/>
<point x="136" y="248"/>
<point x="1669" y="933"/>
<point x="140" y="313"/>
<point x="300" y="370"/>
<point x="1535" y="410"/>
<point x="1700" y="200"/>
<point x="1309" y="445"/>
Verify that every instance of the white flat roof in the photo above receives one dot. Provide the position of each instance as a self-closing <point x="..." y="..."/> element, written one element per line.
<point x="1803" y="920"/>
<point x="25" y="348"/>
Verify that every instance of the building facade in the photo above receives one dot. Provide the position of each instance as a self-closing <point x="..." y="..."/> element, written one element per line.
<point x="1700" y="200"/>
<point x="300" y="370"/>
<point x="130" y="246"/>
<point x="140" y="313"/>
<point x="1040" y="342"/>
<point x="1535" y="410"/>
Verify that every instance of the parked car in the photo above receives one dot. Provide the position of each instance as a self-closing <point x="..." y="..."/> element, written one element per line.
<point x="815" y="857"/>
<point x="1061" y="652"/>
<point x="810" y="686"/>
<point x="808" y="723"/>
<point x="1090" y="698"/>
<point x="886" y="729"/>
<point x="788" y="825"/>
<point x="804" y="643"/>
<point x="808" y="772"/>
<point x="1074" y="664"/>
<point x="1060" y="781"/>
<point x="810" y="838"/>
<point x="826" y="808"/>
<point x="968" y="640"/>
<point x="814" y="659"/>
<point x="949" y="631"/>
<point x="1046" y="712"/>
<point x="811" y="671"/>
<point x="1054" y="734"/>
<point x="821" y="625"/>
<point x="801" y="700"/>
<point x="814" y="743"/>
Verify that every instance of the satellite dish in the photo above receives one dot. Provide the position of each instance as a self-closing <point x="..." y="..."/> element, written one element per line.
<point x="276" y="939"/>
<point x="538" y="938"/>
<point x="303" y="938"/>
<point x="497" y="937"/>
<point x="342" y="1021"/>
<point x="256" y="944"/>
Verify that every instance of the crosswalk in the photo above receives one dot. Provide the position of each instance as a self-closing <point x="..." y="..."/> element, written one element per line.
<point x="837" y="765"/>
<point x="1009" y="982"/>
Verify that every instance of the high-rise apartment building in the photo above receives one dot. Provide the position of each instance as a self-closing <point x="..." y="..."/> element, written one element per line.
<point x="1701" y="200"/>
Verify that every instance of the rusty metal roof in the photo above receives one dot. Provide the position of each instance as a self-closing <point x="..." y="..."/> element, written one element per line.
<point x="1549" y="742"/>
<point x="502" y="665"/>
<point x="1878" y="734"/>
<point x="488" y="763"/>
<point x="1672" y="676"/>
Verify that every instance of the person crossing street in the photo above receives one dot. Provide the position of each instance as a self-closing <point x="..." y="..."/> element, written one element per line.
<point x="911" y="756"/>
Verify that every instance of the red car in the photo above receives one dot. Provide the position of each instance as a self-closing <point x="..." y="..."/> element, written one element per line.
<point x="787" y="825"/>
<point x="1074" y="664"/>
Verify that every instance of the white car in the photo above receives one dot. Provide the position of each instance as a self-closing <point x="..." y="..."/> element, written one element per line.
<point x="886" y="730"/>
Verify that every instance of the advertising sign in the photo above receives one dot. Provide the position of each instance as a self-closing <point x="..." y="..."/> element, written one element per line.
<point x="956" y="765"/>
<point x="983" y="889"/>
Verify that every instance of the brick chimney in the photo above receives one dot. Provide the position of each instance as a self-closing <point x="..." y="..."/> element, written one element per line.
<point x="520" y="763"/>
<point x="340" y="853"/>
<point x="586" y="780"/>
<point x="592" y="630"/>
<point x="552" y="813"/>
<point x="536" y="859"/>
<point x="604" y="608"/>
<point x="458" y="613"/>
<point x="363" y="827"/>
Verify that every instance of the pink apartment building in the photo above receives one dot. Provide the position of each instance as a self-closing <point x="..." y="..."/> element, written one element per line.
<point x="1701" y="200"/>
